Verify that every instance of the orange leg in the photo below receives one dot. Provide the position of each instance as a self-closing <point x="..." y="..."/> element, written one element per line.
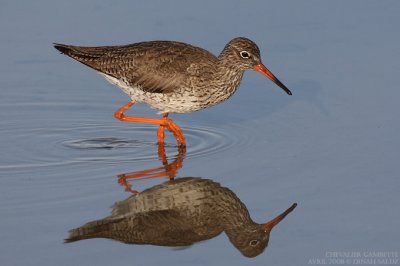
<point x="164" y="122"/>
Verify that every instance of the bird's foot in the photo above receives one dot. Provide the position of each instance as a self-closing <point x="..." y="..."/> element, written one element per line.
<point x="164" y="122"/>
<point x="174" y="129"/>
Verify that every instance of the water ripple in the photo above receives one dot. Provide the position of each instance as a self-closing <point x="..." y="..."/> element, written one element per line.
<point x="201" y="142"/>
<point x="38" y="147"/>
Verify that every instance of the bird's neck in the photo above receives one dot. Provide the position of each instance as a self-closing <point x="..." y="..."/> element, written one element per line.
<point x="237" y="233"/>
<point x="233" y="214"/>
<point x="227" y="76"/>
<point x="238" y="226"/>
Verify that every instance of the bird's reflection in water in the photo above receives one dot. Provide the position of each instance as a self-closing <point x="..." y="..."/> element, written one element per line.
<point x="169" y="170"/>
<point x="180" y="213"/>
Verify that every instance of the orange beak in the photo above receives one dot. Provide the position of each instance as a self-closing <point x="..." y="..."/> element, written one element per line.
<point x="263" y="70"/>
<point x="269" y="225"/>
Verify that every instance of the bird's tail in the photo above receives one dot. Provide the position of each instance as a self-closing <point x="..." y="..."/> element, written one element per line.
<point x="82" y="54"/>
<point x="95" y="229"/>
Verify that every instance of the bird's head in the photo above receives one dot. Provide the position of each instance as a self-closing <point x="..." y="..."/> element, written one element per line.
<point x="252" y="240"/>
<point x="245" y="54"/>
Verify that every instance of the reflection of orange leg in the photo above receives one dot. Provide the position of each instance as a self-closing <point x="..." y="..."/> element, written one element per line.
<point x="160" y="131"/>
<point x="167" y="170"/>
<point x="171" y="169"/>
<point x="164" y="122"/>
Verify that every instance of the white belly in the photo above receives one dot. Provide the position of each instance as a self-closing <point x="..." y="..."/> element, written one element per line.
<point x="176" y="102"/>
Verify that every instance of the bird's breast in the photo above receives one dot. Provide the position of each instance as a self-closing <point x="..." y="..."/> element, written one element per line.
<point x="194" y="95"/>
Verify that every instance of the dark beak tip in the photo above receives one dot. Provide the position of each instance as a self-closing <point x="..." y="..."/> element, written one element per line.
<point x="289" y="92"/>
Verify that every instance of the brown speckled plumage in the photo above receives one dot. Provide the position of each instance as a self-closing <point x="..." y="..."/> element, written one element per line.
<point x="170" y="76"/>
<point x="179" y="213"/>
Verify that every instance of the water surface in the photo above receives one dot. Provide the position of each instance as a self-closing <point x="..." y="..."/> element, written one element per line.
<point x="332" y="147"/>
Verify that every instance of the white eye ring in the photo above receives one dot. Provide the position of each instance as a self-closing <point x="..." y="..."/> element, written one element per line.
<point x="254" y="243"/>
<point x="245" y="54"/>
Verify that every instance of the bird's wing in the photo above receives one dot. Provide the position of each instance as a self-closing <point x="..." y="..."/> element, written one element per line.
<point x="168" y="227"/>
<point x="165" y="228"/>
<point x="158" y="67"/>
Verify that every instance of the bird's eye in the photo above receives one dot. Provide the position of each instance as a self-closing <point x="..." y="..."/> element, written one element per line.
<point x="244" y="54"/>
<point x="254" y="243"/>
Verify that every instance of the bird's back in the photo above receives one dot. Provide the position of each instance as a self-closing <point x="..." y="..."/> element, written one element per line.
<point x="156" y="66"/>
<point x="175" y="213"/>
<point x="177" y="194"/>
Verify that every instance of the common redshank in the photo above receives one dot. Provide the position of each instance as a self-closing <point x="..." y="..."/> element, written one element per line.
<point x="179" y="213"/>
<point x="172" y="77"/>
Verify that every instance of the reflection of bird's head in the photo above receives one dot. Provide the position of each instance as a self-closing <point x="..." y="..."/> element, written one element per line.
<point x="250" y="241"/>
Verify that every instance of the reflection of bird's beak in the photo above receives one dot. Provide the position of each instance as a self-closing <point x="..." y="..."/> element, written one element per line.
<point x="269" y="225"/>
<point x="263" y="70"/>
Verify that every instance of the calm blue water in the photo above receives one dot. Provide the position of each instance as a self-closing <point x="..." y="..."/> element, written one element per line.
<point x="332" y="147"/>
